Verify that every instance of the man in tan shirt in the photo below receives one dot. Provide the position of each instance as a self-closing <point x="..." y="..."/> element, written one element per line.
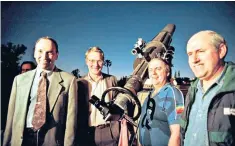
<point x="92" y="128"/>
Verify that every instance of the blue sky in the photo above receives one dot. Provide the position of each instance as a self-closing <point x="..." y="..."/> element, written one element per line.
<point x="114" y="27"/>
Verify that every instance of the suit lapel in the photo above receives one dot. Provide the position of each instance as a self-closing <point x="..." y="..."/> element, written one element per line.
<point x="24" y="95"/>
<point x="54" y="89"/>
<point x="88" y="86"/>
<point x="109" y="84"/>
<point x="25" y="87"/>
<point x="27" y="83"/>
<point x="107" y="81"/>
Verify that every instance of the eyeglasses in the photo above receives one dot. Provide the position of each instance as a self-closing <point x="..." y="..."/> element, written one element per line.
<point x="95" y="61"/>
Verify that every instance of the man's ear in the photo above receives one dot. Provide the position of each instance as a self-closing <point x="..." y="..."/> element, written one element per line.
<point x="34" y="55"/>
<point x="222" y="50"/>
<point x="86" y="61"/>
<point x="57" y="55"/>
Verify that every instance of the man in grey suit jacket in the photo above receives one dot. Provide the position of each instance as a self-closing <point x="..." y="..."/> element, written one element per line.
<point x="92" y="128"/>
<point x="61" y="108"/>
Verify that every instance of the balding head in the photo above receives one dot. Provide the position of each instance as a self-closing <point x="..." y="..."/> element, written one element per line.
<point x="206" y="52"/>
<point x="210" y="37"/>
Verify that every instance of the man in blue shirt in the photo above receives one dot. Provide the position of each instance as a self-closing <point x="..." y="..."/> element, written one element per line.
<point x="159" y="121"/>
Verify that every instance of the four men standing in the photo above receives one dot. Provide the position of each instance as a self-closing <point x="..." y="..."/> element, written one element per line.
<point x="50" y="107"/>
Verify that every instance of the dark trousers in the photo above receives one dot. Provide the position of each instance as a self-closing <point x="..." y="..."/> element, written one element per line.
<point x="103" y="135"/>
<point x="32" y="138"/>
<point x="106" y="136"/>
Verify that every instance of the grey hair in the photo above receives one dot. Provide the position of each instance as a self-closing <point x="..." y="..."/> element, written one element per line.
<point x="216" y="39"/>
<point x="94" y="49"/>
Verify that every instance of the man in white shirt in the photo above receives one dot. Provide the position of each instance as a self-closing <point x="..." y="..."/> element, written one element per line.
<point x="92" y="128"/>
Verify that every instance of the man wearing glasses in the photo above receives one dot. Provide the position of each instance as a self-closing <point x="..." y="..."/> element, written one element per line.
<point x="92" y="128"/>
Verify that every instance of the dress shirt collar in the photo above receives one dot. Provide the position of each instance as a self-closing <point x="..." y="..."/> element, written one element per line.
<point x="91" y="80"/>
<point x="39" y="70"/>
<point x="219" y="80"/>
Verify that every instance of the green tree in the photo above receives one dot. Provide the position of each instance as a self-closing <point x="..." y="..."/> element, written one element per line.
<point x="107" y="63"/>
<point x="122" y="81"/>
<point x="178" y="74"/>
<point x="175" y="75"/>
<point x="11" y="55"/>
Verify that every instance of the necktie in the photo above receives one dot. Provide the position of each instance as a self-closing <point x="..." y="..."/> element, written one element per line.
<point x="39" y="117"/>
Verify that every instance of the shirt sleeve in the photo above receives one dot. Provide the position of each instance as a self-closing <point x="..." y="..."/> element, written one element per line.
<point x="175" y="105"/>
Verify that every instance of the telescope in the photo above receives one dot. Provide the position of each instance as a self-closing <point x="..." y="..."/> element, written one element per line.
<point x="158" y="47"/>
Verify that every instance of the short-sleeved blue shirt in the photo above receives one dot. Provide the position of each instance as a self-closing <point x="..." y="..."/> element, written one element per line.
<point x="157" y="113"/>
